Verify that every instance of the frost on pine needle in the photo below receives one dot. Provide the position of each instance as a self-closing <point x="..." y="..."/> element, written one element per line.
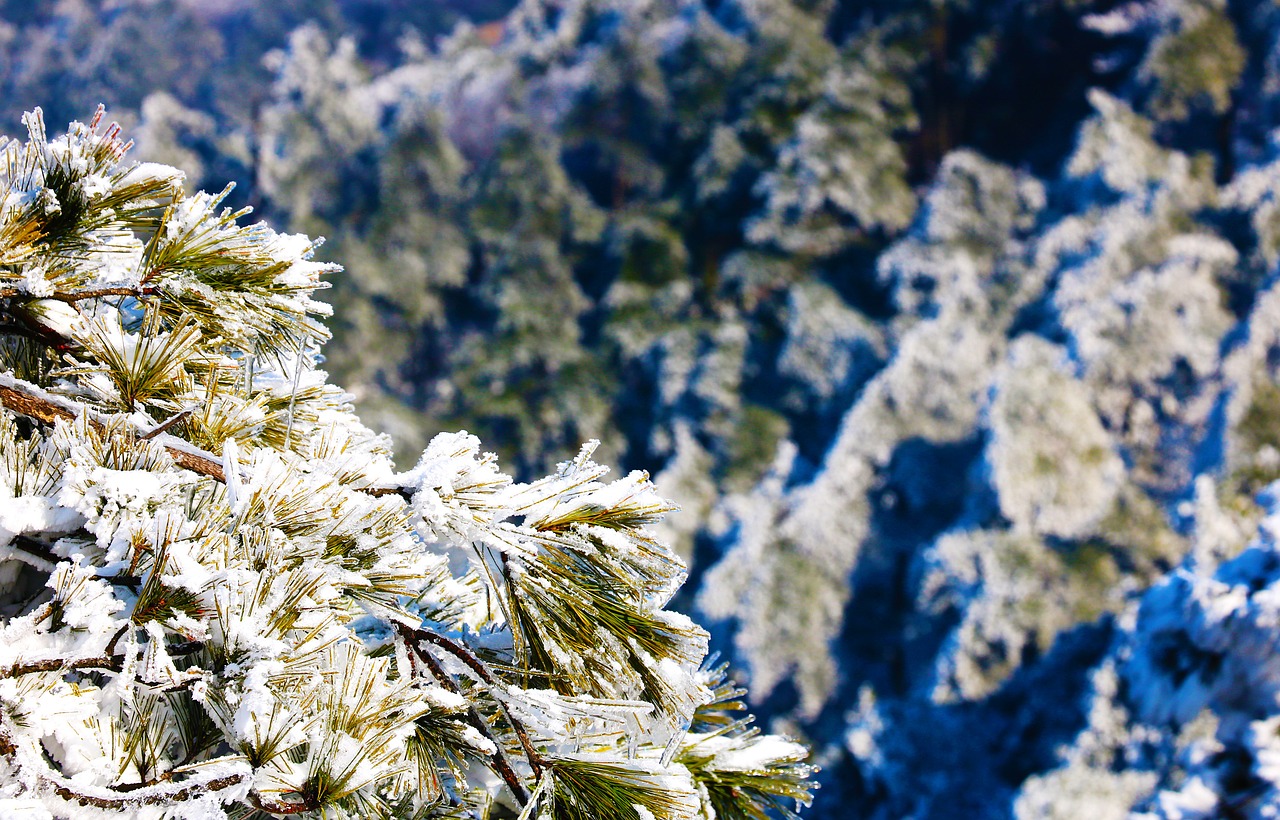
<point x="220" y="599"/>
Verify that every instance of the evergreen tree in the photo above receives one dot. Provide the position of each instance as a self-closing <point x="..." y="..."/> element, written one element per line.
<point x="220" y="598"/>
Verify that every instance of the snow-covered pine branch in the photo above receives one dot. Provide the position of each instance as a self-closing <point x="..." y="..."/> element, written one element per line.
<point x="220" y="599"/>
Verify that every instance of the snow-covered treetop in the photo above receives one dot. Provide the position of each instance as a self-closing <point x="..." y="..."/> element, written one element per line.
<point x="220" y="599"/>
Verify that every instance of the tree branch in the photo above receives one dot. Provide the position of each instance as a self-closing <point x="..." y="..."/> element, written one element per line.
<point x="498" y="758"/>
<point x="107" y="661"/>
<point x="26" y="400"/>
<point x="305" y="805"/>
<point x="477" y="666"/>
<point x="8" y="749"/>
<point x="30" y="401"/>
<point x="34" y="549"/>
<point x="72" y="298"/>
<point x="190" y="792"/>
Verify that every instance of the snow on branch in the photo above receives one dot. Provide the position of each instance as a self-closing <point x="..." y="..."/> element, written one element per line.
<point x="221" y="599"/>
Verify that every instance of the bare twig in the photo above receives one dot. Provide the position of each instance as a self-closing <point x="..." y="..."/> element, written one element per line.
<point x="478" y="667"/>
<point x="167" y="423"/>
<point x="115" y="639"/>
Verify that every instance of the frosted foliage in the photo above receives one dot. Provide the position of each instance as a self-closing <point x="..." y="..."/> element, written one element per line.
<point x="1053" y="465"/>
<point x="1254" y="191"/>
<point x="221" y="598"/>
<point x="1209" y="641"/>
<point x="459" y="490"/>
<point x="1251" y="447"/>
<point x="165" y="129"/>
<point x="804" y="544"/>
<point x="701" y="372"/>
<point x="1140" y="292"/>
<point x="1093" y="781"/>
<point x="965" y="239"/>
<point x="1193" y="58"/>
<point x="757" y="582"/>
<point x="716" y="378"/>
<point x="1015" y="593"/>
<point x="842" y="172"/>
<point x="757" y="274"/>
<point x="686" y="479"/>
<point x="937" y="422"/>
<point x="413" y="248"/>
<point x="470" y="83"/>
<point x="978" y="204"/>
<point x="827" y="342"/>
<point x="723" y="157"/>
<point x="865" y="727"/>
<point x="933" y="387"/>
<point x="1173" y="311"/>
<point x="315" y="84"/>
<point x="1117" y="145"/>
<point x="1182" y="712"/>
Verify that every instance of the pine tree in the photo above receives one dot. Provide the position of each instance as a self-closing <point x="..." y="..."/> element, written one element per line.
<point x="220" y="598"/>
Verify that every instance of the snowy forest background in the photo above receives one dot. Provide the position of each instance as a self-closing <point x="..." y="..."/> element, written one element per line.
<point x="953" y="326"/>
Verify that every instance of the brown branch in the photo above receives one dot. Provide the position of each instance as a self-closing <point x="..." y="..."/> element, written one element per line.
<point x="188" y="793"/>
<point x="146" y="784"/>
<point x="197" y="464"/>
<point x="478" y="667"/>
<point x="43" y="410"/>
<point x="187" y="760"/>
<point x="8" y="749"/>
<point x="113" y="663"/>
<point x="115" y="639"/>
<point x="32" y="406"/>
<point x="307" y="804"/>
<point x="498" y="758"/>
<point x="167" y="423"/>
<point x="107" y="661"/>
<point x="72" y="298"/>
<point x="34" y="548"/>
<point x="459" y="652"/>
